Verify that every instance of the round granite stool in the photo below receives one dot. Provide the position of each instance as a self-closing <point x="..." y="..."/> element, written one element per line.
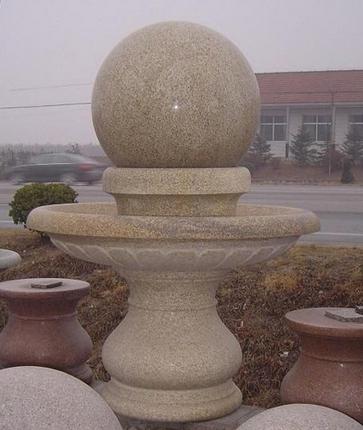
<point x="43" y="329"/>
<point x="329" y="371"/>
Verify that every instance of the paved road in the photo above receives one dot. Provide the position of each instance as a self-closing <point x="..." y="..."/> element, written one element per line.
<point x="340" y="208"/>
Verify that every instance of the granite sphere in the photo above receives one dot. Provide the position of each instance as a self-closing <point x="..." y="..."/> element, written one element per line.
<point x="301" y="417"/>
<point x="38" y="398"/>
<point x="8" y="258"/>
<point x="175" y="94"/>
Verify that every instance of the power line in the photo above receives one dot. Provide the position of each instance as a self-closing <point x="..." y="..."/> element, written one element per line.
<point x="315" y="92"/>
<point x="49" y="86"/>
<point x="44" y="106"/>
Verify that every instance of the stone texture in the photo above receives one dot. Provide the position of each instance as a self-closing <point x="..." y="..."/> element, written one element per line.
<point x="42" y="329"/>
<point x="37" y="398"/>
<point x="345" y="315"/>
<point x="173" y="333"/>
<point x="189" y="256"/>
<point x="175" y="94"/>
<point x="300" y="417"/>
<point x="100" y="220"/>
<point x="8" y="258"/>
<point x="177" y="192"/>
<point x="330" y="366"/>
<point x="228" y="422"/>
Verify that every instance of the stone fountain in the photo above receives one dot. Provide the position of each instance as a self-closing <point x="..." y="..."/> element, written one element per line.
<point x="175" y="106"/>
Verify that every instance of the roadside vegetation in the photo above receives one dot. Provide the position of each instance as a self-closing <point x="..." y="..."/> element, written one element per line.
<point x="32" y="196"/>
<point x="310" y="162"/>
<point x="251" y="302"/>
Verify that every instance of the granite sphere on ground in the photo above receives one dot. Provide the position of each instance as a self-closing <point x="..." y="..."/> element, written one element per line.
<point x="175" y="94"/>
<point x="301" y="417"/>
<point x="38" y="398"/>
<point x="8" y="258"/>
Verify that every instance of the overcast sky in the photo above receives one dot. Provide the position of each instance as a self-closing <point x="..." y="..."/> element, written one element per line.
<point x="50" y="43"/>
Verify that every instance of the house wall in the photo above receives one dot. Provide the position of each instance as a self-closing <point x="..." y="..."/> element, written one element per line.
<point x="342" y="122"/>
<point x="341" y="125"/>
<point x="295" y="122"/>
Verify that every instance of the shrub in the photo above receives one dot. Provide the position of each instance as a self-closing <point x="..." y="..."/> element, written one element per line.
<point x="248" y="164"/>
<point x="353" y="146"/>
<point x="31" y="196"/>
<point x="259" y="152"/>
<point x="276" y="163"/>
<point x="302" y="148"/>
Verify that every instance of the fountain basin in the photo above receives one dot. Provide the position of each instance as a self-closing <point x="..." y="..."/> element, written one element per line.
<point x="101" y="220"/>
<point x="96" y="233"/>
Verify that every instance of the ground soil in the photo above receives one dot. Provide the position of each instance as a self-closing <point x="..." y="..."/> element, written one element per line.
<point x="252" y="302"/>
<point x="289" y="172"/>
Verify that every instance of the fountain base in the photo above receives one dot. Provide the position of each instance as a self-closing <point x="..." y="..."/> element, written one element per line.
<point x="172" y="358"/>
<point x="173" y="405"/>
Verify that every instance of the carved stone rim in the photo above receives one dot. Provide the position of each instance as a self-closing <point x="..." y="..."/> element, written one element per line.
<point x="101" y="220"/>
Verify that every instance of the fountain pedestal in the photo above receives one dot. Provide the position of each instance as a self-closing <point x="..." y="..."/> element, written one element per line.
<point x="172" y="356"/>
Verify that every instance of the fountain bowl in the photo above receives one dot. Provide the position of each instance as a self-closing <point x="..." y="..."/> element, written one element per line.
<point x="95" y="232"/>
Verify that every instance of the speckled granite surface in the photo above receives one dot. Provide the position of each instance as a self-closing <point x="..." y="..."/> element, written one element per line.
<point x="175" y="94"/>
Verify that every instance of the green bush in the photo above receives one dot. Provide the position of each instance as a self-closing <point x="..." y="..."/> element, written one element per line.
<point x="31" y="196"/>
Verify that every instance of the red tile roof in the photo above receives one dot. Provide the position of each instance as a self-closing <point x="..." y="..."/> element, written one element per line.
<point x="311" y="87"/>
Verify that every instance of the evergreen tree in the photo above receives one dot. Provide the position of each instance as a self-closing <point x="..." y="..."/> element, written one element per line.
<point x="353" y="146"/>
<point x="259" y="152"/>
<point x="74" y="149"/>
<point x="323" y="152"/>
<point x="302" y="148"/>
<point x="347" y="174"/>
<point x="329" y="157"/>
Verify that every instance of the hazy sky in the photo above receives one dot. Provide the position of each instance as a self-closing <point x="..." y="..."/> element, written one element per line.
<point x="63" y="42"/>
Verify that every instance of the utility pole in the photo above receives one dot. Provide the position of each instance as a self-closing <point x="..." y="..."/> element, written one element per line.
<point x="331" y="144"/>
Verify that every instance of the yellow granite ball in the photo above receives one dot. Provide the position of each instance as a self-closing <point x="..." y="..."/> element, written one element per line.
<point x="175" y="94"/>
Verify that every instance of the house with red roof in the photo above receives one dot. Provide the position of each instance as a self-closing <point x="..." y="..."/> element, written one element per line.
<point x="326" y="103"/>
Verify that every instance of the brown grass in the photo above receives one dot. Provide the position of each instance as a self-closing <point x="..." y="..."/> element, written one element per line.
<point x="251" y="302"/>
<point x="288" y="172"/>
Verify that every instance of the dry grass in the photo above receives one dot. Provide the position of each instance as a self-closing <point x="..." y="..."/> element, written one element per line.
<point x="251" y="302"/>
<point x="290" y="173"/>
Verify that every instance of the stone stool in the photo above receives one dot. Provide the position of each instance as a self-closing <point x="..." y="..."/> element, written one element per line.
<point x="43" y="329"/>
<point x="329" y="371"/>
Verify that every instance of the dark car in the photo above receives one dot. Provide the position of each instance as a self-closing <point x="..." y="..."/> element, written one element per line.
<point x="66" y="168"/>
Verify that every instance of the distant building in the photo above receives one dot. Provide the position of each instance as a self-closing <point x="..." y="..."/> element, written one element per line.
<point x="326" y="103"/>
